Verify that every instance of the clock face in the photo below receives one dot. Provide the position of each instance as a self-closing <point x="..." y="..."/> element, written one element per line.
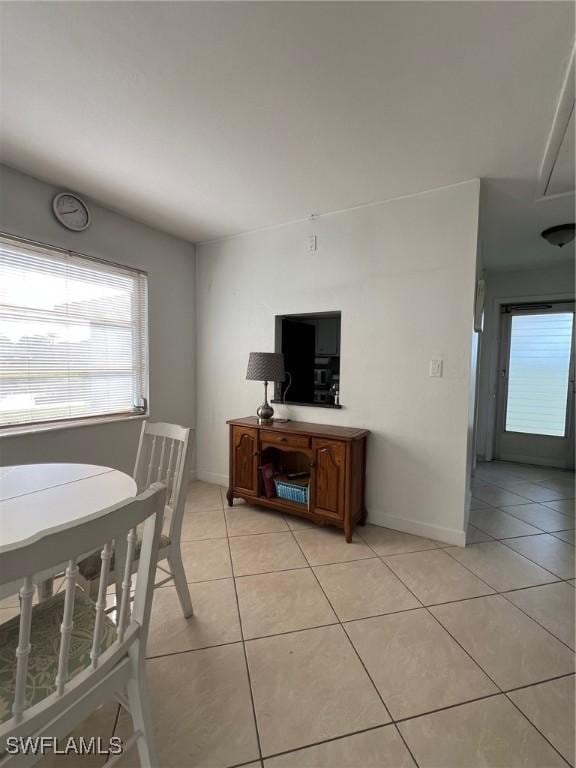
<point x="71" y="212"/>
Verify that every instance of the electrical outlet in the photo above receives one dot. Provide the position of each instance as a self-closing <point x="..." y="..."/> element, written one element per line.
<point x="435" y="368"/>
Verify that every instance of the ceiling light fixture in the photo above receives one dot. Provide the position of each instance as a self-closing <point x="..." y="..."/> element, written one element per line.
<point x="560" y="235"/>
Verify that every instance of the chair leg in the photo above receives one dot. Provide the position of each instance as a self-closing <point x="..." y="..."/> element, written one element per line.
<point x="138" y="701"/>
<point x="175" y="562"/>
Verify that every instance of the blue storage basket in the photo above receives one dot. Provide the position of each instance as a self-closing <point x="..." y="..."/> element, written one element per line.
<point x="291" y="492"/>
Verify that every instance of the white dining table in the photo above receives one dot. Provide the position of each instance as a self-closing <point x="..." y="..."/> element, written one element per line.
<point x="37" y="499"/>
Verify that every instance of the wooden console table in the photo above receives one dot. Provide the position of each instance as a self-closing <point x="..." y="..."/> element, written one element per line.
<point x="329" y="461"/>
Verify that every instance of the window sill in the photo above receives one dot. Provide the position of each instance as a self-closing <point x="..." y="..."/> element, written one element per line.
<point x="33" y="429"/>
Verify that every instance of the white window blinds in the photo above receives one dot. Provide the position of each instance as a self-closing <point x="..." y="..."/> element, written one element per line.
<point x="539" y="372"/>
<point x="73" y="336"/>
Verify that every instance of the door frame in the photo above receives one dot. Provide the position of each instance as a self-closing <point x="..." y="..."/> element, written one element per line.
<point x="495" y="313"/>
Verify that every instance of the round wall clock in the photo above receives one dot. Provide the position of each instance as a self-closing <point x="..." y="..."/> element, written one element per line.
<point x="71" y="212"/>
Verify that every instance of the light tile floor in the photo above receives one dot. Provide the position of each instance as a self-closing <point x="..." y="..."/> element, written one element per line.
<point x="394" y="651"/>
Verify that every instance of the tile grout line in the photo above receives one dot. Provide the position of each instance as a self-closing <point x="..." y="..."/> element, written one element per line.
<point x="365" y="618"/>
<point x="504" y="594"/>
<point x="555" y="579"/>
<point x="511" y="514"/>
<point x="378" y="694"/>
<point x="540" y="682"/>
<point x="402" y="720"/>
<point x="494" y="592"/>
<point x="495" y="695"/>
<point x="191" y="650"/>
<point x="537" y="531"/>
<point x="525" y="716"/>
<point x="530" y="482"/>
<point x="245" y="763"/>
<point x="355" y="619"/>
<point x="258" y="742"/>
<point x="381" y="557"/>
<point x="474" y="597"/>
<point x="476" y="663"/>
<point x="503" y="541"/>
<point x="568" y="530"/>
<point x="500" y="691"/>
<point x="329" y="741"/>
<point x="506" y="507"/>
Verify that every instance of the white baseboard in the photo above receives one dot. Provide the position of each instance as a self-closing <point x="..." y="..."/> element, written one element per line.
<point x="212" y="477"/>
<point x="427" y="530"/>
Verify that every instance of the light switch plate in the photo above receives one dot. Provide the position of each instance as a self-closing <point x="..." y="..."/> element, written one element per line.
<point x="312" y="243"/>
<point x="435" y="368"/>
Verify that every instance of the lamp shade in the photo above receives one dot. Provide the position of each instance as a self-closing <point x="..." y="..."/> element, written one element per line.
<point x="265" y="366"/>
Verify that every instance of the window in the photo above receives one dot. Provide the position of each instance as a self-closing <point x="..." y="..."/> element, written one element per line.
<point x="539" y="372"/>
<point x="73" y="336"/>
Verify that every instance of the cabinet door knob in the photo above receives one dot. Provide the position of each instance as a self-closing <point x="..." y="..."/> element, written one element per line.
<point x="283" y="439"/>
<point x="256" y="453"/>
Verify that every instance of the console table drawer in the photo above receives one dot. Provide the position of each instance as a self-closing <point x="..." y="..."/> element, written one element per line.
<point x="284" y="439"/>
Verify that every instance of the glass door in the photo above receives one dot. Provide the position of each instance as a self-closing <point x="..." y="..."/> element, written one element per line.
<point x="536" y="389"/>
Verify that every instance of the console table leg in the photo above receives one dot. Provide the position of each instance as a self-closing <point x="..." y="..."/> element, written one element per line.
<point x="230" y="497"/>
<point x="347" y="530"/>
<point x="363" y="517"/>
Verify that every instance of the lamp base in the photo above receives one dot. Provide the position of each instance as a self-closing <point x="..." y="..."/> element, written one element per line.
<point x="265" y="413"/>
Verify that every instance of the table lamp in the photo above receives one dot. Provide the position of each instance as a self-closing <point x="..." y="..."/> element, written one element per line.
<point x="265" y="366"/>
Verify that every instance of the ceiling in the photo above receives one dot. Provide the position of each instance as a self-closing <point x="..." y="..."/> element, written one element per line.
<point x="208" y="119"/>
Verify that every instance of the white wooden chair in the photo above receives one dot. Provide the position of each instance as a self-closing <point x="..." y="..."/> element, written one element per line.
<point x="64" y="657"/>
<point x="163" y="456"/>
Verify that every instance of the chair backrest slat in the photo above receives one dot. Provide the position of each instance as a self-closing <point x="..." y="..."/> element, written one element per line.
<point x="126" y="584"/>
<point x="177" y="476"/>
<point x="66" y="626"/>
<point x="151" y="462"/>
<point x="105" y="557"/>
<point x="170" y="469"/>
<point x="23" y="650"/>
<point x="159" y="478"/>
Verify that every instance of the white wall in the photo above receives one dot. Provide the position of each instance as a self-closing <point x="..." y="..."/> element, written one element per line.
<point x="403" y="275"/>
<point x="554" y="281"/>
<point x="25" y="210"/>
